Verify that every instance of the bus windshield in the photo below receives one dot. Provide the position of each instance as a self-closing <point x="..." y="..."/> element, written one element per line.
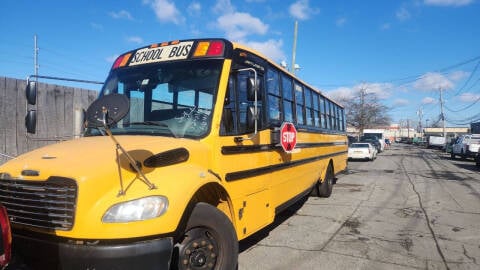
<point x="167" y="99"/>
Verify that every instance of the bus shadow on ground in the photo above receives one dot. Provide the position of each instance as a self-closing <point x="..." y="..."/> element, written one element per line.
<point x="255" y="238"/>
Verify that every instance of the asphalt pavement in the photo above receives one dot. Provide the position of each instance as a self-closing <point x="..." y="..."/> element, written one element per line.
<point x="411" y="208"/>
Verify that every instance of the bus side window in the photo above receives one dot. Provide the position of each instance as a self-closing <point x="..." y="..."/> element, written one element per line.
<point x="274" y="97"/>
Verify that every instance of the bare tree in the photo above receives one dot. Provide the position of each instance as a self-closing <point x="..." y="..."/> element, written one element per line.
<point x="364" y="110"/>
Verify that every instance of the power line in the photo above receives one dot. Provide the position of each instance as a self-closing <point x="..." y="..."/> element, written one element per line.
<point x="469" y="78"/>
<point x="467" y="107"/>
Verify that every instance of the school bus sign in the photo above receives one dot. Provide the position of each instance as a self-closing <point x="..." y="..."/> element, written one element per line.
<point x="288" y="136"/>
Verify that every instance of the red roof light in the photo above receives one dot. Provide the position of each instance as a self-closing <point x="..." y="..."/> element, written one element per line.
<point x="216" y="48"/>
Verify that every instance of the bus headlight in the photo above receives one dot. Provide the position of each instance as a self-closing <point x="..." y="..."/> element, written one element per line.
<point x="136" y="210"/>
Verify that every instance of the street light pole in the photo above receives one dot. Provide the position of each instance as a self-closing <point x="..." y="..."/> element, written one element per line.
<point x="294" y="50"/>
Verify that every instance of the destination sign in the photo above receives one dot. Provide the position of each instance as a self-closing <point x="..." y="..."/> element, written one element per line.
<point x="159" y="54"/>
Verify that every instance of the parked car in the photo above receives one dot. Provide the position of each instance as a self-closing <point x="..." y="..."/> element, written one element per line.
<point x="373" y="141"/>
<point x="362" y="150"/>
<point x="466" y="146"/>
<point x="5" y="238"/>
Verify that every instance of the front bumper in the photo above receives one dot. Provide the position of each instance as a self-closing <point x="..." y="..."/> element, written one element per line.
<point x="48" y="254"/>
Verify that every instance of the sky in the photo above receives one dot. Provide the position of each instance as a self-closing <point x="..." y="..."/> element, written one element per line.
<point x="405" y="52"/>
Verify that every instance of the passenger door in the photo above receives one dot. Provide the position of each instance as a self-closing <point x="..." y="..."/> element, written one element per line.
<point x="241" y="161"/>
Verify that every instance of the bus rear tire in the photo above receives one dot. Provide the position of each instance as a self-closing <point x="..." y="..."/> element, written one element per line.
<point x="209" y="241"/>
<point x="324" y="189"/>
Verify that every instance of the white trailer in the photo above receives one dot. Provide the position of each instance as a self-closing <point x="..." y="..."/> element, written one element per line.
<point x="379" y="133"/>
<point x="436" y="142"/>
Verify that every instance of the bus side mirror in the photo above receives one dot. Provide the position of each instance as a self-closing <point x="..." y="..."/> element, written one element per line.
<point x="252" y="87"/>
<point x="251" y="119"/>
<point x="31" y="92"/>
<point x="31" y="121"/>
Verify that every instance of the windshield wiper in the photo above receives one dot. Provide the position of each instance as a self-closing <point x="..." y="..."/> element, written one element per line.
<point x="149" y="123"/>
<point x="154" y="123"/>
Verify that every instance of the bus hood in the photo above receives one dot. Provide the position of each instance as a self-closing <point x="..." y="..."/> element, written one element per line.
<point x="91" y="157"/>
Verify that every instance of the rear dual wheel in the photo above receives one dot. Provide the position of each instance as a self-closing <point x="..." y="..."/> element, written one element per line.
<point x="324" y="189"/>
<point x="209" y="241"/>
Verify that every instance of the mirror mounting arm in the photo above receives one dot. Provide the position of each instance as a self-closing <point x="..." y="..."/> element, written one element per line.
<point x="132" y="162"/>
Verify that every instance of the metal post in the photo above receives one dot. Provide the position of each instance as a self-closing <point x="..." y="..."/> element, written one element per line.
<point x="292" y="68"/>
<point x="35" y="55"/>
<point x="442" y="115"/>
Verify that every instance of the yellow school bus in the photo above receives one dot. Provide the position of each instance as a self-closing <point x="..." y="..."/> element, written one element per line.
<point x="191" y="146"/>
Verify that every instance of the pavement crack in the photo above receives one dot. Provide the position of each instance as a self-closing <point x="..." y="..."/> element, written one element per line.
<point x="474" y="260"/>
<point x="432" y="232"/>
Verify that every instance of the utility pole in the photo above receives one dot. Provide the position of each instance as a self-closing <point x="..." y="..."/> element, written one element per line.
<point x="362" y="110"/>
<point x="294" y="50"/>
<point x="420" y="116"/>
<point x="442" y="115"/>
<point x="408" y="128"/>
<point x="35" y="55"/>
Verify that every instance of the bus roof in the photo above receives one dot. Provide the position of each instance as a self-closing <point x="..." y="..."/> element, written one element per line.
<point x="194" y="49"/>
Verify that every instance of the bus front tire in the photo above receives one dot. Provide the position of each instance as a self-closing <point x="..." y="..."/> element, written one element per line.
<point x="209" y="241"/>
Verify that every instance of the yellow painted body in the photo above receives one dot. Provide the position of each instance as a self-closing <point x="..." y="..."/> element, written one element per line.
<point x="91" y="161"/>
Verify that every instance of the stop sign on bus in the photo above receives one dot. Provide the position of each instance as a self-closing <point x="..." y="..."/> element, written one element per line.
<point x="288" y="136"/>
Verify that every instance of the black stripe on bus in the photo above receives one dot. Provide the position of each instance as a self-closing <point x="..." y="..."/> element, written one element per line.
<point x="245" y="149"/>
<point x="233" y="176"/>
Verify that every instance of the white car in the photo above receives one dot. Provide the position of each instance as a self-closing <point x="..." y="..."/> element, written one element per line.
<point x="362" y="150"/>
<point x="466" y="146"/>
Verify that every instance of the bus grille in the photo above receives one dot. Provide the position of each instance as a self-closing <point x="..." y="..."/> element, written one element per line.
<point x="43" y="204"/>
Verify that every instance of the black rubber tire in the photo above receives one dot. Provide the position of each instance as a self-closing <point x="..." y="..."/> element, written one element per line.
<point x="209" y="241"/>
<point x="452" y="155"/>
<point x="324" y="189"/>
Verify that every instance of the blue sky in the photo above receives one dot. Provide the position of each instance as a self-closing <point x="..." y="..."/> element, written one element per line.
<point x="404" y="51"/>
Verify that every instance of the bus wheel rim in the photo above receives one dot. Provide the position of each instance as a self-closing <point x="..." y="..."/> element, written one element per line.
<point x="200" y="250"/>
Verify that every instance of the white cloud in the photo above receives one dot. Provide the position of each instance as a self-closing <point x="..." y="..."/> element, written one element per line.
<point x="469" y="97"/>
<point x="301" y="10"/>
<point x="381" y="90"/>
<point x="194" y="9"/>
<point x="136" y="40"/>
<point x="458" y="75"/>
<point x="433" y="81"/>
<point x="122" y="14"/>
<point x="399" y="102"/>
<point x="341" y="21"/>
<point x="341" y="93"/>
<point x="239" y="25"/>
<point x="271" y="48"/>
<point x="429" y="100"/>
<point x="445" y="3"/>
<point x="223" y="7"/>
<point x="403" y="14"/>
<point x="166" y="11"/>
